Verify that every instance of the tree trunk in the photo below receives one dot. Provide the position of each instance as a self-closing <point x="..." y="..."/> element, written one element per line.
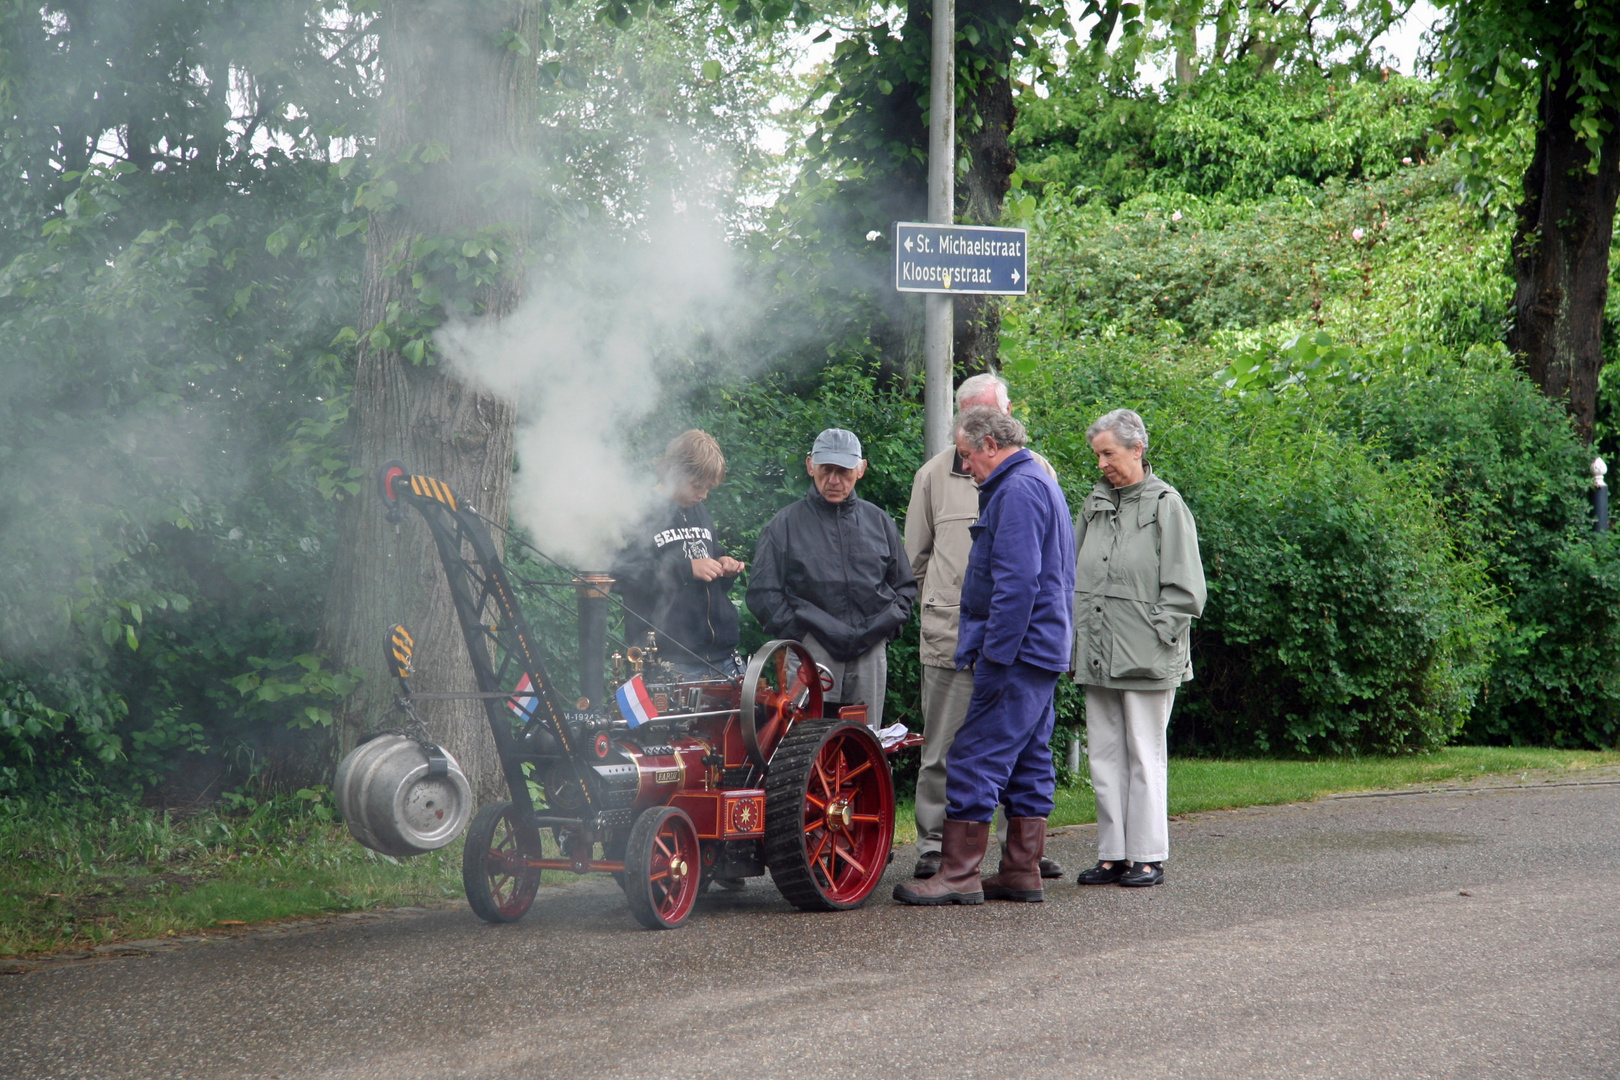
<point x="1184" y="18"/>
<point x="985" y="136"/>
<point x="1223" y="36"/>
<point x="1561" y="256"/>
<point x="450" y="79"/>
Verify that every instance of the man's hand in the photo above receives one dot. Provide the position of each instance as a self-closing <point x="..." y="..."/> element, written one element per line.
<point x="730" y="566"/>
<point x="707" y="569"/>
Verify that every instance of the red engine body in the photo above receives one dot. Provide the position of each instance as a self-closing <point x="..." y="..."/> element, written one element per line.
<point x="730" y="778"/>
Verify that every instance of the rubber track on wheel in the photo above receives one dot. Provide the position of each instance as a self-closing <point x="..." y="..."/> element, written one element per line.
<point x="784" y="815"/>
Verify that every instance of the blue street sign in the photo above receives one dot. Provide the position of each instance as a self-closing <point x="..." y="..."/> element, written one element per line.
<point x="960" y="259"/>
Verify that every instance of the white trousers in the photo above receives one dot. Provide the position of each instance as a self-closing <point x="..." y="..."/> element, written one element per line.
<point x="945" y="697"/>
<point x="1125" y="738"/>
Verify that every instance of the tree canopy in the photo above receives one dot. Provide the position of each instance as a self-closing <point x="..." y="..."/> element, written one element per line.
<point x="204" y="232"/>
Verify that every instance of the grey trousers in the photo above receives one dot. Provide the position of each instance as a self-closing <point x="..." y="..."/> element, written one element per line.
<point x="862" y="681"/>
<point x="1125" y="738"/>
<point x="945" y="695"/>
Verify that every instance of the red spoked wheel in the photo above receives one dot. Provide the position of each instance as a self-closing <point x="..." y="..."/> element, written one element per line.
<point x="829" y="815"/>
<point x="663" y="868"/>
<point x="500" y="885"/>
<point x="781" y="687"/>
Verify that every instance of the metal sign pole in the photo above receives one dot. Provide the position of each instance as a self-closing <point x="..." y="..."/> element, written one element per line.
<point x="1600" y="495"/>
<point x="940" y="308"/>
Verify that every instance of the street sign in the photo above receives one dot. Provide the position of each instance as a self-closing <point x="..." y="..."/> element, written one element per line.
<point x="960" y="259"/>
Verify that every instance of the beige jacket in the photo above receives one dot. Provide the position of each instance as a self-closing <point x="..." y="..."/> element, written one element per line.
<point x="944" y="503"/>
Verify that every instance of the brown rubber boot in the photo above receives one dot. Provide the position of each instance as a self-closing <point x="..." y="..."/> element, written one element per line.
<point x="1020" y="875"/>
<point x="961" y="851"/>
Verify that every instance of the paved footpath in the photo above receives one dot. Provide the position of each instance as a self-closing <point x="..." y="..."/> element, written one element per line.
<point x="1467" y="935"/>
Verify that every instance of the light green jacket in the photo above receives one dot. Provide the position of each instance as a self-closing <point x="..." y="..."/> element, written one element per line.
<point x="1138" y="584"/>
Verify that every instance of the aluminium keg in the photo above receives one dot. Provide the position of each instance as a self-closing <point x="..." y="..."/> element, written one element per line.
<point x="392" y="804"/>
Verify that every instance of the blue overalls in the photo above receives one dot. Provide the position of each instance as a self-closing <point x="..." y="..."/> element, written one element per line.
<point x="1016" y="632"/>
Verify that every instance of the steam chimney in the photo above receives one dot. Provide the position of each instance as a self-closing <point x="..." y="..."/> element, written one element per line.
<point x="592" y="588"/>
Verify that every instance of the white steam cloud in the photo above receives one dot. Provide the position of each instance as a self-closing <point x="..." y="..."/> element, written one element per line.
<point x="584" y="358"/>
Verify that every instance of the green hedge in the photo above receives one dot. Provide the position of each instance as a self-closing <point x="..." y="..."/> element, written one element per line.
<point x="1396" y="539"/>
<point x="1342" y="617"/>
<point x="1515" y="480"/>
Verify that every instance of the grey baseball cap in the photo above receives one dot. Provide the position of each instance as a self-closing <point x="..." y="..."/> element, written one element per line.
<point x="835" y="446"/>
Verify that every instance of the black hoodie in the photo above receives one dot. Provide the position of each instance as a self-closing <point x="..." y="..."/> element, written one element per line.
<point x="653" y="573"/>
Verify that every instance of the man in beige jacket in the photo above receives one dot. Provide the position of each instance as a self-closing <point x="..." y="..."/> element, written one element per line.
<point x="944" y="503"/>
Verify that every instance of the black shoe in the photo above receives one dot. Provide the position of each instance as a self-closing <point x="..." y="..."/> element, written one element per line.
<point x="927" y="864"/>
<point x="1143" y="874"/>
<point x="1102" y="875"/>
<point x="1050" y="868"/>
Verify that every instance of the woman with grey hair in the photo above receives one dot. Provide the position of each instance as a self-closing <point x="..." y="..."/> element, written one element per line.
<point x="1138" y="584"/>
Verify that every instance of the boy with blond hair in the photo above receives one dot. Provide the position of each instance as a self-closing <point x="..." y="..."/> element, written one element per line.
<point x="673" y="573"/>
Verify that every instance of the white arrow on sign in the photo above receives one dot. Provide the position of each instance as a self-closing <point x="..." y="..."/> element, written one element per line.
<point x="908" y="243"/>
<point x="1015" y="277"/>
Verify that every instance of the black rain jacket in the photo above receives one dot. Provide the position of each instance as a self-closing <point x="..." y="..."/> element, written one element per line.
<point x="836" y="570"/>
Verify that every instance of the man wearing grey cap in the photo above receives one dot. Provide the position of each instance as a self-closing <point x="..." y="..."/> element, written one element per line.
<point x="831" y="571"/>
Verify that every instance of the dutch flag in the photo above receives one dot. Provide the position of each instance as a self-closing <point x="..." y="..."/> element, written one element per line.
<point x="634" y="704"/>
<point x="524" y="704"/>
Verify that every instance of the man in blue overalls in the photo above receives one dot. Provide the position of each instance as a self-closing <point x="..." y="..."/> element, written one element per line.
<point x="1016" y="633"/>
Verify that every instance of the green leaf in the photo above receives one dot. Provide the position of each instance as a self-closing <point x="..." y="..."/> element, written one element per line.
<point x="712" y="70"/>
<point x="276" y="242"/>
<point x="513" y="41"/>
<point x="1023" y="365"/>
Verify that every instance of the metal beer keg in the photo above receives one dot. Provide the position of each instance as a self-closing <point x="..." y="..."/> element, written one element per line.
<point x="395" y="801"/>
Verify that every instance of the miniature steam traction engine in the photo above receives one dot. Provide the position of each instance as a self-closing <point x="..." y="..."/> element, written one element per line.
<point x="685" y="782"/>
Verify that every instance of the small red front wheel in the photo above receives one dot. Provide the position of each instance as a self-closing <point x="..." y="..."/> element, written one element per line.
<point x="494" y="865"/>
<point x="663" y="868"/>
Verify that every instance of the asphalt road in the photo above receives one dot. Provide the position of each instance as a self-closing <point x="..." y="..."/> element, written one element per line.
<point x="1456" y="935"/>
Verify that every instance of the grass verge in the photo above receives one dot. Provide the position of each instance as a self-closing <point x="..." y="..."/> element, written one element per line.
<point x="76" y="875"/>
<point x="1203" y="784"/>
